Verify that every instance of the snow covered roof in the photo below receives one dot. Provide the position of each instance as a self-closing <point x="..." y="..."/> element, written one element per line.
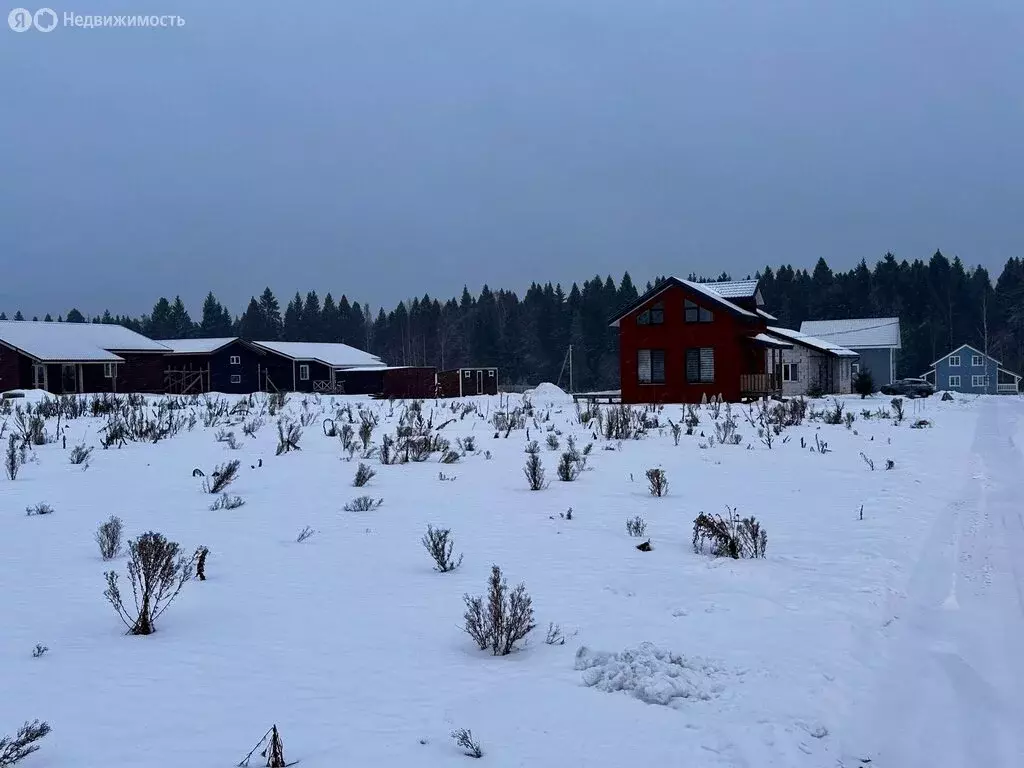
<point x="74" y="342"/>
<point x="701" y="288"/>
<point x="771" y="341"/>
<point x="333" y="355"/>
<point x="196" y="346"/>
<point x="765" y="315"/>
<point x="863" y="332"/>
<point x="734" y="289"/>
<point x="810" y="341"/>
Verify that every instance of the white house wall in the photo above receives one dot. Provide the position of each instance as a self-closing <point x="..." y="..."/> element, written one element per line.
<point x="811" y="369"/>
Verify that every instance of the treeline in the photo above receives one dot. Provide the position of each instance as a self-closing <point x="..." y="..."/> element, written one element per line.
<point x="940" y="303"/>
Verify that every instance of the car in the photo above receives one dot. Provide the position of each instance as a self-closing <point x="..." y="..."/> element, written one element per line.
<point x="909" y="388"/>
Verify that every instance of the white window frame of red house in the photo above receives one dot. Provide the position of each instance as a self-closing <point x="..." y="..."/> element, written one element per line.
<point x="304" y="372"/>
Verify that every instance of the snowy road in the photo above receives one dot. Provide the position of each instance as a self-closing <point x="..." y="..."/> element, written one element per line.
<point x="951" y="693"/>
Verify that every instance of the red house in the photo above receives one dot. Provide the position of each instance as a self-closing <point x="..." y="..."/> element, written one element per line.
<point x="683" y="341"/>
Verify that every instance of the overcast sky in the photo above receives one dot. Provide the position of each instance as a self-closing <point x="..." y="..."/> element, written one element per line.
<point x="387" y="148"/>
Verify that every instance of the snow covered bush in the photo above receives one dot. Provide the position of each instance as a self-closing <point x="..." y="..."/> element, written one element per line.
<point x="288" y="436"/>
<point x="503" y="620"/>
<point x="864" y="383"/>
<point x="648" y="673"/>
<point x="223" y="475"/>
<point x="363" y="475"/>
<point x="363" y="504"/>
<point x="80" y="454"/>
<point x="534" y="471"/>
<point x="39" y="509"/>
<point x="568" y="467"/>
<point x="552" y="440"/>
<point x="464" y="739"/>
<point x="440" y="545"/>
<point x="23" y="744"/>
<point x="157" y="571"/>
<point x="897" y="407"/>
<point x="636" y="526"/>
<point x="12" y="462"/>
<point x="227" y="502"/>
<point x="108" y="537"/>
<point x="729" y="536"/>
<point x="657" y="481"/>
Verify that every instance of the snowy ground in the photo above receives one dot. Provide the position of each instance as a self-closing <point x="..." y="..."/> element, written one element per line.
<point x="895" y="637"/>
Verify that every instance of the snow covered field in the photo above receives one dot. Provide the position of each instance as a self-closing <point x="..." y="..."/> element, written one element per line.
<point x="896" y="637"/>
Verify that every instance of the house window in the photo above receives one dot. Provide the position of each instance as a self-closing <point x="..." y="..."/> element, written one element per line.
<point x="468" y="373"/>
<point x="854" y="368"/>
<point x="236" y="378"/>
<point x="790" y="372"/>
<point x="976" y="361"/>
<point x="236" y="360"/>
<point x="954" y="381"/>
<point x="39" y="376"/>
<point x="490" y="374"/>
<point x="303" y="372"/>
<point x="108" y="370"/>
<point x="695" y="314"/>
<point x="979" y="381"/>
<point x="700" y="365"/>
<point x="954" y="361"/>
<point x="650" y="366"/>
<point x="653" y="316"/>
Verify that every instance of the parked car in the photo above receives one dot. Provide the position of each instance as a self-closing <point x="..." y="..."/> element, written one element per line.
<point x="909" y="388"/>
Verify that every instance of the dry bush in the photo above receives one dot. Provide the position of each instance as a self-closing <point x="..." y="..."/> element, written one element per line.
<point x="108" y="537"/>
<point x="288" y="436"/>
<point x="441" y="546"/>
<point x="636" y="526"/>
<point x="503" y="620"/>
<point x="657" y="481"/>
<point x="729" y="536"/>
<point x="39" y="509"/>
<point x="23" y="744"/>
<point x="12" y="461"/>
<point x="363" y="504"/>
<point x="157" y="571"/>
<point x="363" y="475"/>
<point x="227" y="502"/>
<point x="304" y="534"/>
<point x="464" y="739"/>
<point x="80" y="454"/>
<point x="534" y="471"/>
<point x="568" y="467"/>
<point x="223" y="475"/>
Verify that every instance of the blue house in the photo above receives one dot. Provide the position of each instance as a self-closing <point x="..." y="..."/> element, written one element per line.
<point x="971" y="371"/>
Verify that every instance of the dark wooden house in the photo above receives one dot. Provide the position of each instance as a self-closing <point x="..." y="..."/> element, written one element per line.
<point x="299" y="366"/>
<point x="683" y="341"/>
<point x="228" y="365"/>
<point x="391" y="382"/>
<point x="463" y="382"/>
<point x="70" y="358"/>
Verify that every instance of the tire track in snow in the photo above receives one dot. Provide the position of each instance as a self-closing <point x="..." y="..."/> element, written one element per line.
<point x="950" y="694"/>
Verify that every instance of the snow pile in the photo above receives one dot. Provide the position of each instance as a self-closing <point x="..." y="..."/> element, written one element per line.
<point x="649" y="673"/>
<point x="548" y="394"/>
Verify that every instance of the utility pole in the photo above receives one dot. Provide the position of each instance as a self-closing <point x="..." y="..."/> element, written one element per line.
<point x="570" y="370"/>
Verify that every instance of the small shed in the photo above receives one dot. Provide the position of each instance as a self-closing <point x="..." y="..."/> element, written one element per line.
<point x="465" y="382"/>
<point x="391" y="382"/>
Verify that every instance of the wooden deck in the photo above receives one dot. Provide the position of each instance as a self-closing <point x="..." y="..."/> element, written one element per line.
<point x="610" y="396"/>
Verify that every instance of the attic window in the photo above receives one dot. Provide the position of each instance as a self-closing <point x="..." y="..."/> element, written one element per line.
<point x="236" y="360"/>
<point x="696" y="314"/>
<point x="653" y="316"/>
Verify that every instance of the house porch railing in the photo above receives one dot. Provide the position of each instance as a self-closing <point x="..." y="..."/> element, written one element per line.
<point x="328" y="387"/>
<point x="760" y="383"/>
<point x="1006" y="389"/>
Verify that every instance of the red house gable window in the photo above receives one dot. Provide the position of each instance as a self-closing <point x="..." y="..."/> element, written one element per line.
<point x="653" y="316"/>
<point x="695" y="314"/>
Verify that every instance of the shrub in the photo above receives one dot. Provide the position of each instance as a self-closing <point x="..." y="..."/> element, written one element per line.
<point x="677" y="430"/>
<point x="157" y="571"/>
<point x="657" y="481"/>
<point x="363" y="475"/>
<point x="80" y="454"/>
<point x="864" y="383"/>
<point x="450" y="457"/>
<point x="568" y="467"/>
<point x="468" y="444"/>
<point x="108" y="537"/>
<point x="505" y="619"/>
<point x="304" y="534"/>
<point x="12" y="462"/>
<point x="39" y="650"/>
<point x="815" y="390"/>
<point x="363" y="504"/>
<point x="464" y="739"/>
<point x="200" y="558"/>
<point x="897" y="407"/>
<point x="440" y="545"/>
<point x="834" y="415"/>
<point x="729" y="536"/>
<point x="636" y="526"/>
<point x="222" y="477"/>
<point x="227" y="502"/>
<point x="39" y="509"/>
<point x="13" y="750"/>
<point x="552" y="441"/>
<point x="534" y="472"/>
<point x="288" y="436"/>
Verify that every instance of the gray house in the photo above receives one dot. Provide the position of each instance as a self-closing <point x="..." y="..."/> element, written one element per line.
<point x="813" y="364"/>
<point x="971" y="371"/>
<point x="874" y="339"/>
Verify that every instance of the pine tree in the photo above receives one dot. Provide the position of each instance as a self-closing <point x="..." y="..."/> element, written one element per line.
<point x="252" y="326"/>
<point x="74" y="316"/>
<point x="273" y="325"/>
<point x="18" y="315"/>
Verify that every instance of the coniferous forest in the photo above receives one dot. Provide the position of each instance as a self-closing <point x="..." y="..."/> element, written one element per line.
<point x="941" y="304"/>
